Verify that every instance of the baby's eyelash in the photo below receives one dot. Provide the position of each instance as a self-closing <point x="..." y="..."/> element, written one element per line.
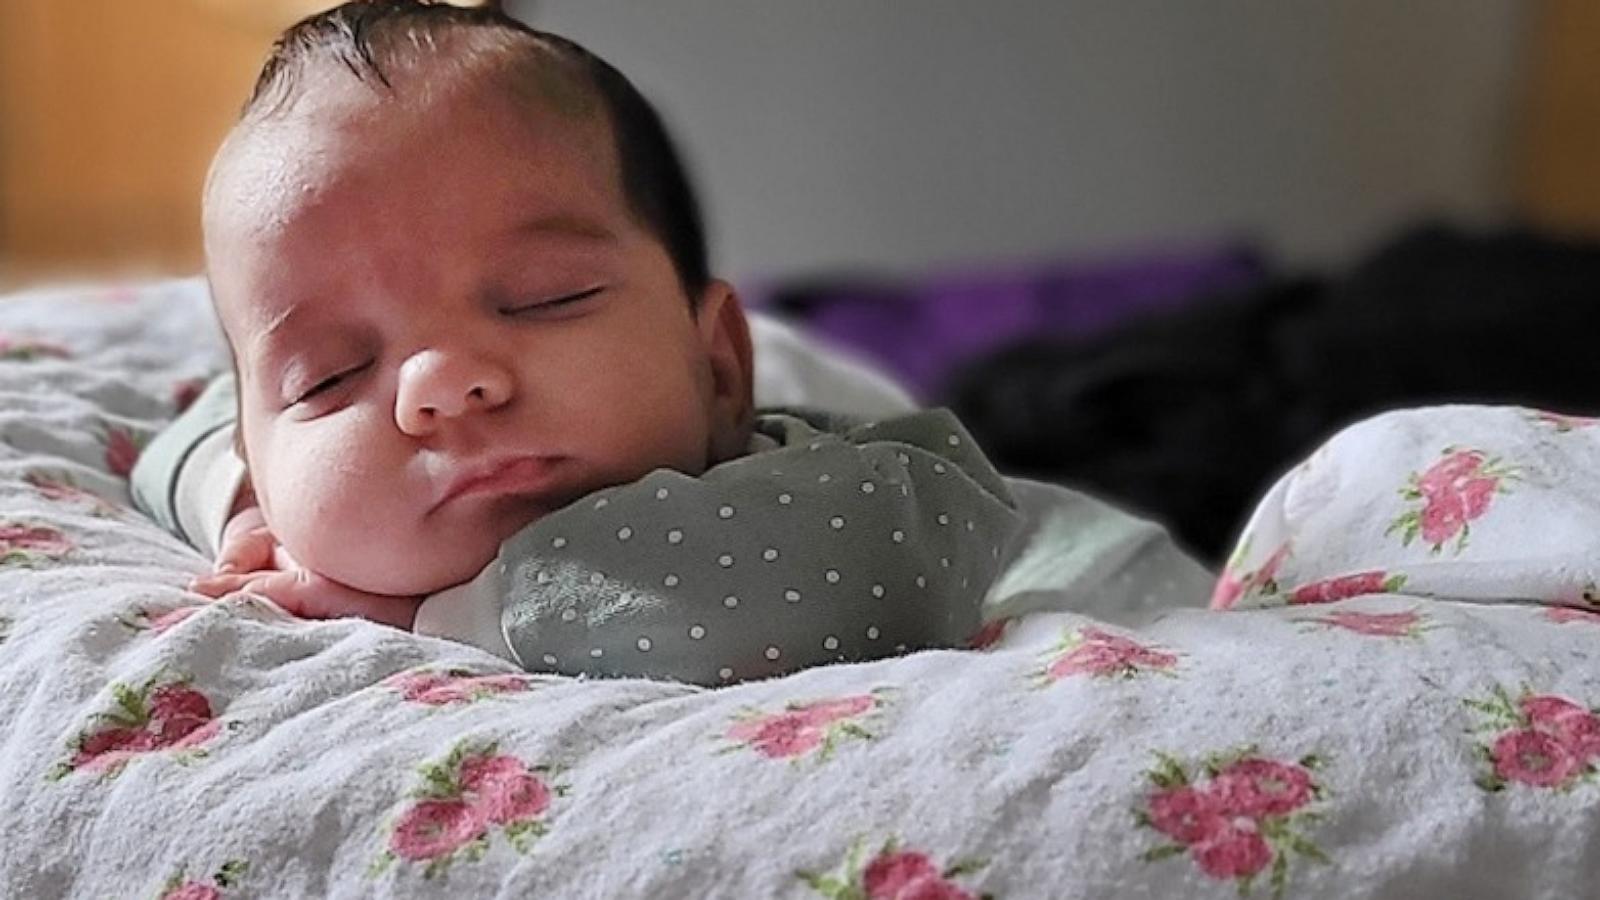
<point x="329" y="383"/>
<point x="552" y="303"/>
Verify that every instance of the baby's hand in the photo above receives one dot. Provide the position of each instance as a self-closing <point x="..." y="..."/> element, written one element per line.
<point x="247" y="545"/>
<point x="250" y="559"/>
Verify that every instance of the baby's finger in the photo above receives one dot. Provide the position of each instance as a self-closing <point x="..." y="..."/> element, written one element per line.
<point x="219" y="583"/>
<point x="246" y="552"/>
<point x="286" y="589"/>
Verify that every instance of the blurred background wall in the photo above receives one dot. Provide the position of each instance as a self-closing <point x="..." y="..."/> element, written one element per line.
<point x="835" y="134"/>
<point x="901" y="135"/>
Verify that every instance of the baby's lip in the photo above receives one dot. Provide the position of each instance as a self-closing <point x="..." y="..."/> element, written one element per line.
<point x="522" y="475"/>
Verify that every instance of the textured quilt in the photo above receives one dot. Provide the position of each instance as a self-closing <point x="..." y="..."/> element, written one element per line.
<point x="1114" y="740"/>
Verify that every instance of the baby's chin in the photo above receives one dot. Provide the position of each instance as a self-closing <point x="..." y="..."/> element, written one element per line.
<point x="405" y="574"/>
<point x="424" y="562"/>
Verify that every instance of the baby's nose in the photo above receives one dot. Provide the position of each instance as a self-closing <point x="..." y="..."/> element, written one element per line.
<point x="435" y="385"/>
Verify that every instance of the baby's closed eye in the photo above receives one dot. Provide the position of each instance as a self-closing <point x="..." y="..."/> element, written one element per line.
<point x="552" y="304"/>
<point x="339" y="378"/>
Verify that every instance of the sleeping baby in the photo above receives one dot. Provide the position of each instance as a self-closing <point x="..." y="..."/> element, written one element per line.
<point x="485" y="387"/>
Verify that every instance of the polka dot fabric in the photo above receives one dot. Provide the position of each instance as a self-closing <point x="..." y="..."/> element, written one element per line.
<point x="847" y="542"/>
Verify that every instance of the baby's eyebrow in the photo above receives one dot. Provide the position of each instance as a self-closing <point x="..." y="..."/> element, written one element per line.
<point x="565" y="225"/>
<point x="270" y="341"/>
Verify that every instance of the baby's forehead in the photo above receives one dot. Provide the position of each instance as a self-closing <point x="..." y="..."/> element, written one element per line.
<point x="286" y="157"/>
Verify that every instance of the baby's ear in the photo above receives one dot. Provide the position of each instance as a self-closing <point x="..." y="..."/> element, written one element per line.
<point x="726" y="336"/>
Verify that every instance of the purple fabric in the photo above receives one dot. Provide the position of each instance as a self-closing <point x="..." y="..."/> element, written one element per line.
<point x="921" y="331"/>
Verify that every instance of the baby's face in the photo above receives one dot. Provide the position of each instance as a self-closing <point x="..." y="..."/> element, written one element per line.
<point x="447" y="324"/>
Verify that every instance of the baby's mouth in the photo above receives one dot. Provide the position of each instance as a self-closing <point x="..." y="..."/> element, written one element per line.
<point x="525" y="477"/>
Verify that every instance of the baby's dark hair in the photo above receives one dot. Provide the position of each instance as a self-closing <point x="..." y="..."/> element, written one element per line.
<point x="368" y="37"/>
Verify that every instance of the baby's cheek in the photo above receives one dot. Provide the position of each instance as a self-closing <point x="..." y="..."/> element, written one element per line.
<point x="328" y="503"/>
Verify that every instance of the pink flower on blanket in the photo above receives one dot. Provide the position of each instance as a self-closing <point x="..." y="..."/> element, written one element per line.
<point x="60" y="489"/>
<point x="1259" y="788"/>
<point x="1239" y="851"/>
<point x="1237" y="583"/>
<point x="436" y="828"/>
<point x="1408" y="624"/>
<point x="506" y="791"/>
<point x="1575" y="727"/>
<point x="122" y="450"/>
<point x="463" y="801"/>
<point x="1563" y="423"/>
<point x="1453" y="492"/>
<point x="229" y="875"/>
<point x="158" y="716"/>
<point x="1096" y="653"/>
<point x="1542" y="741"/>
<point x="19" y="348"/>
<point x="1533" y="758"/>
<point x="990" y="634"/>
<point x="186" y="392"/>
<point x="31" y="545"/>
<point x="893" y="874"/>
<point x="166" y="621"/>
<point x="1561" y="615"/>
<point x="1346" y="586"/>
<point x="1186" y="814"/>
<point x="441" y="688"/>
<point x="194" y="890"/>
<point x="1235" y="815"/>
<point x="889" y="874"/>
<point x="804" y="727"/>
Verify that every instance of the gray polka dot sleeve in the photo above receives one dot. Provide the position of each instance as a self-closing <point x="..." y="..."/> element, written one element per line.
<point x="847" y="542"/>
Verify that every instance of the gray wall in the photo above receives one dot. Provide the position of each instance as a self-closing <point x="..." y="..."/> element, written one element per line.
<point x="903" y="136"/>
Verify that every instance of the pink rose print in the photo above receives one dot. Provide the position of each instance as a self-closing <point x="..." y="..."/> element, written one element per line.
<point x="162" y="623"/>
<point x="1533" y="758"/>
<point x="60" y="489"/>
<point x="1347" y="586"/>
<point x="1239" y="851"/>
<point x="122" y="450"/>
<point x="1562" y="423"/>
<point x="1096" y="653"/>
<point x="1186" y="815"/>
<point x="1542" y="741"/>
<point x="192" y="891"/>
<point x="464" y="800"/>
<point x="442" y="688"/>
<point x="1236" y="585"/>
<point x="186" y="392"/>
<point x="1575" y="727"/>
<point x="158" y="716"/>
<point x="17" y="348"/>
<point x="1561" y="615"/>
<point x="1453" y="492"/>
<point x="1408" y="624"/>
<point x="31" y="545"/>
<point x="229" y="875"/>
<point x="893" y="874"/>
<point x="507" y="792"/>
<point x="436" y="828"/>
<point x="804" y="727"/>
<point x="1237" y="815"/>
<point x="990" y="634"/>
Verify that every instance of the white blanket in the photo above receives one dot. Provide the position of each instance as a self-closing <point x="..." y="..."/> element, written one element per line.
<point x="155" y="746"/>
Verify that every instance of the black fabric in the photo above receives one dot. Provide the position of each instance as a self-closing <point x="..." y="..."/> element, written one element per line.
<point x="1190" y="417"/>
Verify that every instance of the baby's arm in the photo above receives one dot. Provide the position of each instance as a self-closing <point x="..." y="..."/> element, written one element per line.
<point x="848" y="543"/>
<point x="189" y="479"/>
